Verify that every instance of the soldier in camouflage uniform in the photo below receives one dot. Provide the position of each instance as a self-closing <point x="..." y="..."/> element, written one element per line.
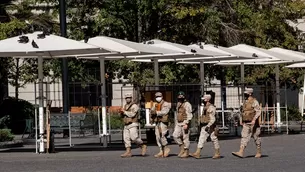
<point x="249" y="120"/>
<point x="129" y="114"/>
<point x="208" y="128"/>
<point x="159" y="115"/>
<point x="182" y="129"/>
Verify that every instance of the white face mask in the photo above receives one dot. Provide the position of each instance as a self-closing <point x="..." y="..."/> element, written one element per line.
<point x="159" y="99"/>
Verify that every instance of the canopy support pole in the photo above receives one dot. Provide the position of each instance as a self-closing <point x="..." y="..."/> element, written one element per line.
<point x="156" y="72"/>
<point x="40" y="97"/>
<point x="242" y="78"/>
<point x="277" y="85"/>
<point x="303" y="97"/>
<point x="103" y="99"/>
<point x="202" y="77"/>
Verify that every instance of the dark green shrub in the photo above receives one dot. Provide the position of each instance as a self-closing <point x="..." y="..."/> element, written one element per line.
<point x="18" y="111"/>
<point x="116" y="121"/>
<point x="6" y="135"/>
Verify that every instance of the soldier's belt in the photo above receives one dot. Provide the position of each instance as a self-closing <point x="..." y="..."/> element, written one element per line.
<point x="246" y="121"/>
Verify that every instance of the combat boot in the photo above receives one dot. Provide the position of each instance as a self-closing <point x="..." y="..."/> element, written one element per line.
<point x="127" y="153"/>
<point x="160" y="154"/>
<point x="196" y="154"/>
<point x="240" y="153"/>
<point x="181" y="150"/>
<point x="166" y="151"/>
<point x="144" y="149"/>
<point x="217" y="154"/>
<point x="258" y="153"/>
<point x="185" y="154"/>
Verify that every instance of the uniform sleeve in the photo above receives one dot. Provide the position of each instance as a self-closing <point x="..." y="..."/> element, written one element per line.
<point x="211" y="112"/>
<point x="153" y="107"/>
<point x="189" y="115"/>
<point x="133" y="111"/>
<point x="257" y="109"/>
<point x="165" y="109"/>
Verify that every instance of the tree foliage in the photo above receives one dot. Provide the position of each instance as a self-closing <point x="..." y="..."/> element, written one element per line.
<point x="258" y="23"/>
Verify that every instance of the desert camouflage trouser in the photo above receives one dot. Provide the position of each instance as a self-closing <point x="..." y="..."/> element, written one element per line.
<point x="161" y="132"/>
<point x="204" y="136"/>
<point x="131" y="134"/>
<point x="247" y="132"/>
<point x="182" y="136"/>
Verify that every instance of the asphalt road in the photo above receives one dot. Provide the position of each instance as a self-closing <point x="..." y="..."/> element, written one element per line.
<point x="282" y="153"/>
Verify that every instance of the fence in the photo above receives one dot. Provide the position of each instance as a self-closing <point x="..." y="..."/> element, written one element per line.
<point x="228" y="100"/>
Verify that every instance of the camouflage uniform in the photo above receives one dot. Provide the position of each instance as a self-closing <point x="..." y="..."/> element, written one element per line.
<point x="159" y="114"/>
<point x="181" y="135"/>
<point x="207" y="121"/>
<point x="130" y="133"/>
<point x="251" y="127"/>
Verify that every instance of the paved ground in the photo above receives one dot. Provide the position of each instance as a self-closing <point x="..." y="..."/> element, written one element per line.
<point x="281" y="153"/>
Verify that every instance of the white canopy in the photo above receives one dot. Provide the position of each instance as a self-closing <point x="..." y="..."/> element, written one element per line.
<point x="296" y="65"/>
<point x="275" y="57"/>
<point x="221" y="49"/>
<point x="184" y="48"/>
<point x="40" y="45"/>
<point x="126" y="49"/>
<point x="49" y="46"/>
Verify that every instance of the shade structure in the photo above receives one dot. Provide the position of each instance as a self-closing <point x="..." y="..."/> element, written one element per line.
<point x="46" y="46"/>
<point x="274" y="56"/>
<point x="221" y="49"/>
<point x="300" y="65"/>
<point x="41" y="45"/>
<point x="126" y="50"/>
<point x="189" y="52"/>
<point x="277" y="56"/>
<point x="184" y="48"/>
<point x="233" y="55"/>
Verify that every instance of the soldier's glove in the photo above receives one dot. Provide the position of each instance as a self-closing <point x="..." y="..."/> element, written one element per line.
<point x="207" y="129"/>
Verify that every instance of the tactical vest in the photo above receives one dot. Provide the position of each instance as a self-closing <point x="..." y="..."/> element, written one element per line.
<point x="205" y="117"/>
<point x="248" y="111"/>
<point x="163" y="118"/>
<point x="127" y="120"/>
<point x="181" y="112"/>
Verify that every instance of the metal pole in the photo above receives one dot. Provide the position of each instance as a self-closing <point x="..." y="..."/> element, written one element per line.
<point x="156" y="72"/>
<point x="99" y="121"/>
<point x="303" y="96"/>
<point x="40" y="95"/>
<point x="202" y="77"/>
<point x="223" y="116"/>
<point x="242" y="77"/>
<point x="286" y="109"/>
<point x="65" y="86"/>
<point x="36" y="131"/>
<point x="103" y="91"/>
<point x="277" y="85"/>
<point x="109" y="126"/>
<point x="69" y="118"/>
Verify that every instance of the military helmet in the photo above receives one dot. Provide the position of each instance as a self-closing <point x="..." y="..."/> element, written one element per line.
<point x="181" y="94"/>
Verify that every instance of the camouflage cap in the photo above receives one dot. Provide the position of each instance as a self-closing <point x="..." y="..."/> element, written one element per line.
<point x="158" y="94"/>
<point x="207" y="97"/>
<point x="248" y="90"/>
<point x="128" y="95"/>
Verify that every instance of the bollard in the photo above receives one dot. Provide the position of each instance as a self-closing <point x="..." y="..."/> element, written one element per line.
<point x="52" y="142"/>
